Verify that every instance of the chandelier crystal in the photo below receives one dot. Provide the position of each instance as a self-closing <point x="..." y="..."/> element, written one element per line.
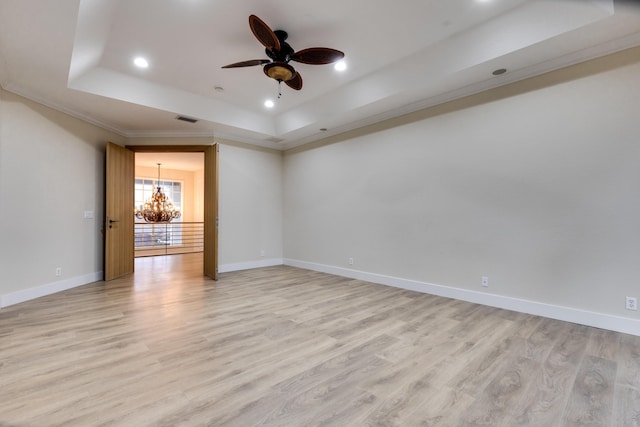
<point x="158" y="208"/>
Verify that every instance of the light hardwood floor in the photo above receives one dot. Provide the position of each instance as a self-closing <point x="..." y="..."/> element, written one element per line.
<point x="282" y="346"/>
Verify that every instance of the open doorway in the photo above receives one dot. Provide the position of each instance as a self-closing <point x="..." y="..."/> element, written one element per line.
<point x="119" y="204"/>
<point x="180" y="177"/>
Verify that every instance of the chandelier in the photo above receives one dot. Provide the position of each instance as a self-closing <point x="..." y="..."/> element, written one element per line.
<point x="158" y="208"/>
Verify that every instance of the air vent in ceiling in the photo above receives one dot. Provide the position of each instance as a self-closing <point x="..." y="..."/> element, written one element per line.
<point x="187" y="119"/>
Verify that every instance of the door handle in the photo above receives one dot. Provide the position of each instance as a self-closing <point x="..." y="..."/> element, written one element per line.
<point x="111" y="221"/>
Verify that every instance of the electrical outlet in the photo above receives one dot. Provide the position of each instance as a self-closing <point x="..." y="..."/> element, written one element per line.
<point x="350" y="261"/>
<point x="485" y="281"/>
<point x="58" y="271"/>
<point x="632" y="303"/>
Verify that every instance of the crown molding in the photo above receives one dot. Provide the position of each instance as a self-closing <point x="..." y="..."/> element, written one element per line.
<point x="20" y="91"/>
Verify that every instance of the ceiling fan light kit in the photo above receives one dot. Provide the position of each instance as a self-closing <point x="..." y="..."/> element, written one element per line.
<point x="281" y="53"/>
<point x="279" y="71"/>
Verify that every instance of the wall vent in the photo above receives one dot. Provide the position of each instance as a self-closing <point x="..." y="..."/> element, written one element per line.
<point x="187" y="119"/>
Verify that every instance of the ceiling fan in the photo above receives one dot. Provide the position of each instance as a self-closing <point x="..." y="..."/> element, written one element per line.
<point x="281" y="53"/>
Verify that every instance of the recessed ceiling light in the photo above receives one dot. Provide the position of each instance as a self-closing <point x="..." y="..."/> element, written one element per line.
<point x="269" y="103"/>
<point x="499" y="71"/>
<point x="218" y="89"/>
<point x="323" y="129"/>
<point x="340" y="66"/>
<point x="141" y="62"/>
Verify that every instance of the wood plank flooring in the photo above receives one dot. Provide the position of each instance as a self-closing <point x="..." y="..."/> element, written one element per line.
<point x="282" y="346"/>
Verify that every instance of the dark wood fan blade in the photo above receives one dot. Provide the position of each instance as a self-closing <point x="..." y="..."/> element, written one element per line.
<point x="317" y="56"/>
<point x="249" y="63"/>
<point x="263" y="33"/>
<point x="295" y="82"/>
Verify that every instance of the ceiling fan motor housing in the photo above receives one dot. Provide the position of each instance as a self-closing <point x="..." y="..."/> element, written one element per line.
<point x="286" y="51"/>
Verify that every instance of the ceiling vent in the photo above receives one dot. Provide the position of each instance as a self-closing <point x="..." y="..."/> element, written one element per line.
<point x="187" y="119"/>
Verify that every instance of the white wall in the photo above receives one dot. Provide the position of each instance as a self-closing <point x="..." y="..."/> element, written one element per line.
<point x="198" y="190"/>
<point x="539" y="191"/>
<point x="51" y="171"/>
<point x="250" y="206"/>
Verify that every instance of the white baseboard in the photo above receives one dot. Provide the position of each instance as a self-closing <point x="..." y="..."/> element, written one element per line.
<point x="50" y="288"/>
<point x="47" y="289"/>
<point x="248" y="265"/>
<point x="567" y="314"/>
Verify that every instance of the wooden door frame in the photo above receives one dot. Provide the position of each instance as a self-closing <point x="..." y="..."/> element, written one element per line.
<point x="210" y="259"/>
